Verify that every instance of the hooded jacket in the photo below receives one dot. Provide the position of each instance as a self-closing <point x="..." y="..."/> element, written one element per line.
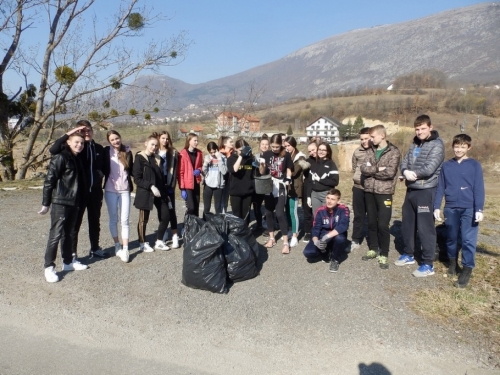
<point x="214" y="170"/>
<point x="373" y="179"/>
<point x="428" y="162"/>
<point x="299" y="166"/>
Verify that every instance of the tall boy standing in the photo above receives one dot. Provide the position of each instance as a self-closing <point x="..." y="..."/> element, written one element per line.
<point x="358" y="192"/>
<point x="379" y="171"/>
<point x="461" y="183"/>
<point x="420" y="167"/>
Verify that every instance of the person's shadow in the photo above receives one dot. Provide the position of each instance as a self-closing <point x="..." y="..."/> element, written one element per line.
<point x="373" y="369"/>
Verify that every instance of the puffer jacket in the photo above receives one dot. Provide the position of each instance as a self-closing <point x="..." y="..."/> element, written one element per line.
<point x="358" y="156"/>
<point x="373" y="179"/>
<point x="214" y="170"/>
<point x="428" y="163"/>
<point x="185" y="173"/>
<point x="299" y="166"/>
<point x="66" y="182"/>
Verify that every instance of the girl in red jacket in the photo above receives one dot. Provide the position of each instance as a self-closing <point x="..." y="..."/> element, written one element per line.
<point x="190" y="165"/>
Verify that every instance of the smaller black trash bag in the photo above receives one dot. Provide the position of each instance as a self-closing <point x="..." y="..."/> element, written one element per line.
<point x="239" y="228"/>
<point x="192" y="225"/>
<point x="204" y="264"/>
<point x="241" y="260"/>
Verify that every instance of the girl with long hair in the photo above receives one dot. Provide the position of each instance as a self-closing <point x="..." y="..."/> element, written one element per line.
<point x="170" y="158"/>
<point x="214" y="172"/>
<point x="226" y="147"/>
<point x="241" y="187"/>
<point x="189" y="175"/>
<point x="117" y="169"/>
<point x="296" y="187"/>
<point x="148" y="177"/>
<point x="279" y="164"/>
<point x="324" y="176"/>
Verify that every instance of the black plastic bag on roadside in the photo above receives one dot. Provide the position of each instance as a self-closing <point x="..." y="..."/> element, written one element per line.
<point x="240" y="258"/>
<point x="192" y="225"/>
<point x="204" y="266"/>
<point x="240" y="229"/>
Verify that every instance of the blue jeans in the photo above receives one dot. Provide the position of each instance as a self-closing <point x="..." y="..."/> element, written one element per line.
<point x="460" y="223"/>
<point x="335" y="247"/>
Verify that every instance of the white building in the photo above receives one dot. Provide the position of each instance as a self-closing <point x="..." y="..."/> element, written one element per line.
<point x="326" y="128"/>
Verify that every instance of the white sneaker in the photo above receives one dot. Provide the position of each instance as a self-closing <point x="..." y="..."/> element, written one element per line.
<point x="74" y="266"/>
<point x="146" y="248"/>
<point x="175" y="241"/>
<point x="123" y="255"/>
<point x="51" y="275"/>
<point x="294" y="242"/>
<point x="160" y="245"/>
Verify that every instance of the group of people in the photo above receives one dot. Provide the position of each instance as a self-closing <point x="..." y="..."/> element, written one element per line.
<point x="278" y="176"/>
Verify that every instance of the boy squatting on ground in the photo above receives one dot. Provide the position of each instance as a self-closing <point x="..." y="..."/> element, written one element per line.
<point x="462" y="184"/>
<point x="420" y="167"/>
<point x="358" y="192"/>
<point x="379" y="171"/>
<point x="329" y="231"/>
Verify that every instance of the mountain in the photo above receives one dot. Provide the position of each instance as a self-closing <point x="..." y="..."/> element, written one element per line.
<point x="463" y="43"/>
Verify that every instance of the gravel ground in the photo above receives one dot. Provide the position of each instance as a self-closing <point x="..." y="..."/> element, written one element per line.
<point x="294" y="318"/>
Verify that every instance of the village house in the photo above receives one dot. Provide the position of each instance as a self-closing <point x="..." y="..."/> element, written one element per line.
<point x="234" y="124"/>
<point x="325" y="127"/>
<point x="183" y="132"/>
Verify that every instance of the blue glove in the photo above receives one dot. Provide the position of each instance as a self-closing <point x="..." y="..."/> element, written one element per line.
<point x="246" y="151"/>
<point x="196" y="172"/>
<point x="184" y="194"/>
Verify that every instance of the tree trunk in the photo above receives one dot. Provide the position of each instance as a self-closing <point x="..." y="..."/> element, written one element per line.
<point x="7" y="162"/>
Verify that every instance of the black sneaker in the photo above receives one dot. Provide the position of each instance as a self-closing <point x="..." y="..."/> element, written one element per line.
<point x="99" y="253"/>
<point x="334" y="266"/>
<point x="307" y="237"/>
<point x="265" y="234"/>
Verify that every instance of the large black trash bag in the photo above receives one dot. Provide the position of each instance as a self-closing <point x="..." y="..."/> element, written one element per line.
<point x="241" y="260"/>
<point x="192" y="225"/>
<point x="240" y="229"/>
<point x="204" y="264"/>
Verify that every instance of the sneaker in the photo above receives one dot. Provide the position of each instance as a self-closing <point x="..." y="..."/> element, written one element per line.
<point x="383" y="262"/>
<point x="123" y="255"/>
<point x="146" y="248"/>
<point x="118" y="247"/>
<point x="175" y="241"/>
<point x="294" y="242"/>
<point x="51" y="275"/>
<point x="371" y="254"/>
<point x="354" y="246"/>
<point x="307" y="237"/>
<point x="74" y="266"/>
<point x="334" y="266"/>
<point x="423" y="271"/>
<point x="404" y="260"/>
<point x="265" y="234"/>
<point x="160" y="245"/>
<point x="100" y="253"/>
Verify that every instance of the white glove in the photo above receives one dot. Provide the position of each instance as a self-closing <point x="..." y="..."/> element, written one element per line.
<point x="410" y="175"/>
<point x="437" y="214"/>
<point x="479" y="217"/>
<point x="155" y="191"/>
<point x="262" y="160"/>
<point x="309" y="202"/>
<point x="315" y="177"/>
<point x="368" y="164"/>
<point x="45" y="209"/>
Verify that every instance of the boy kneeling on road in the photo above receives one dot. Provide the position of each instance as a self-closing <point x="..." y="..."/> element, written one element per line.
<point x="329" y="231"/>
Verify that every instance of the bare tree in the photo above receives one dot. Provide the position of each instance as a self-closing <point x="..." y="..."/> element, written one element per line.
<point x="81" y="75"/>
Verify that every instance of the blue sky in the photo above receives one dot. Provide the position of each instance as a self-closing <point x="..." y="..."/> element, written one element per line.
<point x="231" y="36"/>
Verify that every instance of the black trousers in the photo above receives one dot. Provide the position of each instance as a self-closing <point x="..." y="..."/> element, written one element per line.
<point x="379" y="208"/>
<point x="276" y="204"/>
<point x="93" y="207"/>
<point x="359" y="210"/>
<point x="308" y="215"/>
<point x="257" y="200"/>
<point x="208" y="193"/>
<point x="163" y="218"/>
<point x="241" y="205"/>
<point x="62" y="229"/>
<point x="193" y="201"/>
<point x="173" y="215"/>
<point x="418" y="219"/>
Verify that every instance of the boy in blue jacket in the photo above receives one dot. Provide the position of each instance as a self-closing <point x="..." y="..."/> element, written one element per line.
<point x="329" y="231"/>
<point x="461" y="182"/>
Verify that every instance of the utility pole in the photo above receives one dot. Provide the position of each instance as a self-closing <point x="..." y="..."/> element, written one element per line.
<point x="477" y="124"/>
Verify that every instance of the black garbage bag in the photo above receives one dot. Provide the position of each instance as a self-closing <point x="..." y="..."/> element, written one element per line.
<point x="192" y="225"/>
<point x="240" y="229"/>
<point x="240" y="258"/>
<point x="204" y="266"/>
